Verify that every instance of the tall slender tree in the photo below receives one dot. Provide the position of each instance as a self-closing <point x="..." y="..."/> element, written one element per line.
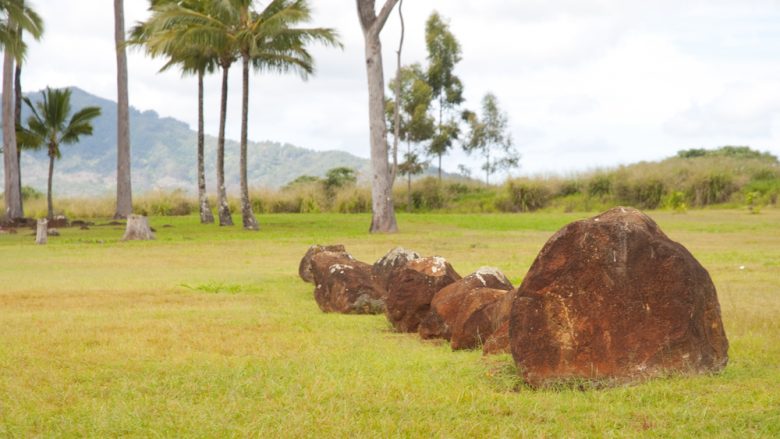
<point x="270" y="41"/>
<point x="124" y="190"/>
<point x="489" y="136"/>
<point x="372" y="23"/>
<point x="444" y="53"/>
<point x="192" y="59"/>
<point x="14" y="17"/>
<point x="49" y="126"/>
<point x="410" y="118"/>
<point x="267" y="40"/>
<point x="209" y="27"/>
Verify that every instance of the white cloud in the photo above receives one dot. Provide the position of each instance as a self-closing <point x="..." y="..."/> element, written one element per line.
<point x="585" y="83"/>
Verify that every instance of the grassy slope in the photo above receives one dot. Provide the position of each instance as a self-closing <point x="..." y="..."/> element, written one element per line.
<point x="209" y="332"/>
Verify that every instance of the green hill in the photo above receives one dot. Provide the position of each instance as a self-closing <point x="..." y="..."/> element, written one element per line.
<point x="163" y="156"/>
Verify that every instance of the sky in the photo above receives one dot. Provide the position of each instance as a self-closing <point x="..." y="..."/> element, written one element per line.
<point x="586" y="84"/>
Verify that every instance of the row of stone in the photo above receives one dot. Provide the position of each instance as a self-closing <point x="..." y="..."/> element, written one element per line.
<point x="418" y="294"/>
<point x="610" y="298"/>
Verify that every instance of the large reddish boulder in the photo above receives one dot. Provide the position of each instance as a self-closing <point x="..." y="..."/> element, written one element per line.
<point x="412" y="288"/>
<point x="344" y="284"/>
<point x="463" y="312"/>
<point x="613" y="299"/>
<point x="304" y="268"/>
<point x="394" y="260"/>
<point x="498" y="342"/>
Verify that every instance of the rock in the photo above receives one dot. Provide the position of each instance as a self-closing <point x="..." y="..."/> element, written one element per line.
<point x="58" y="222"/>
<point x="395" y="259"/>
<point x="498" y="342"/>
<point x="17" y="223"/>
<point x="453" y="305"/>
<point x="344" y="284"/>
<point x="304" y="268"/>
<point x="613" y="299"/>
<point x="54" y="232"/>
<point x="84" y="227"/>
<point x="412" y="288"/>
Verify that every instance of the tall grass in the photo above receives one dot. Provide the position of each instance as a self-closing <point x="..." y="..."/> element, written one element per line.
<point x="721" y="178"/>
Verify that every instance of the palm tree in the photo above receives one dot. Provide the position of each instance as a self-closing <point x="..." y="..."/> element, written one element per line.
<point x="124" y="189"/>
<point x="15" y="17"/>
<point x="270" y="41"/>
<point x="207" y="28"/>
<point x="266" y="40"/>
<point x="191" y="59"/>
<point x="49" y="126"/>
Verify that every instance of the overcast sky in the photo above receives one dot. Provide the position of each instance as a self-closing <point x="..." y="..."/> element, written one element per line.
<point x="586" y="83"/>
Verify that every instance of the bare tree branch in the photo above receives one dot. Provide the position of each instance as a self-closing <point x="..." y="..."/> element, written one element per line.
<point x="383" y="15"/>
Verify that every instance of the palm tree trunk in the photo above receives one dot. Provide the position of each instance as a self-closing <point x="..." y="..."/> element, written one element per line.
<point x="223" y="210"/>
<point x="124" y="192"/>
<point x="50" y="214"/>
<point x="250" y="222"/>
<point x="18" y="115"/>
<point x="206" y="217"/>
<point x="13" y="194"/>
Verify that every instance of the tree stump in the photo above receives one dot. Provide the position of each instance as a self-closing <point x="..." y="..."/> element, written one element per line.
<point x="42" y="232"/>
<point x="137" y="229"/>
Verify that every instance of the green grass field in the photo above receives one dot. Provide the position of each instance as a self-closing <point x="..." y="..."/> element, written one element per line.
<point x="209" y="332"/>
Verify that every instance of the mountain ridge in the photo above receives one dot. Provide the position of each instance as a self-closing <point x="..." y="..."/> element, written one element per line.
<point x="164" y="156"/>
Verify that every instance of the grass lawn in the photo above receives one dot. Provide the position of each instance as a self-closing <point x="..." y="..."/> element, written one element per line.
<point x="208" y="331"/>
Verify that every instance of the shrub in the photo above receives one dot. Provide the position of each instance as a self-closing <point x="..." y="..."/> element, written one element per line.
<point x="676" y="202"/>
<point x="600" y="185"/>
<point x="711" y="189"/>
<point x="523" y="196"/>
<point x="643" y="194"/>
<point x="355" y="200"/>
<point x="427" y="194"/>
<point x="30" y="193"/>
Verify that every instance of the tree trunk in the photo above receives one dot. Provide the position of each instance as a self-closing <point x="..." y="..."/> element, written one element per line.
<point x="50" y="206"/>
<point x="223" y="210"/>
<point x="42" y="231"/>
<point x="441" y="121"/>
<point x="124" y="192"/>
<point x="487" y="168"/>
<point x="397" y="109"/>
<point x="18" y="116"/>
<point x="137" y="229"/>
<point x="13" y="193"/>
<point x="206" y="217"/>
<point x="383" y="218"/>
<point x="250" y="222"/>
<point x="409" y="192"/>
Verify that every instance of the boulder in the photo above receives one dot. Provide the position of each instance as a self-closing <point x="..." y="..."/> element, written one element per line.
<point x="454" y="304"/>
<point x="394" y="260"/>
<point x="613" y="299"/>
<point x="498" y="342"/>
<point x="345" y="285"/>
<point x="58" y="222"/>
<point x="304" y="268"/>
<point x="412" y="288"/>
